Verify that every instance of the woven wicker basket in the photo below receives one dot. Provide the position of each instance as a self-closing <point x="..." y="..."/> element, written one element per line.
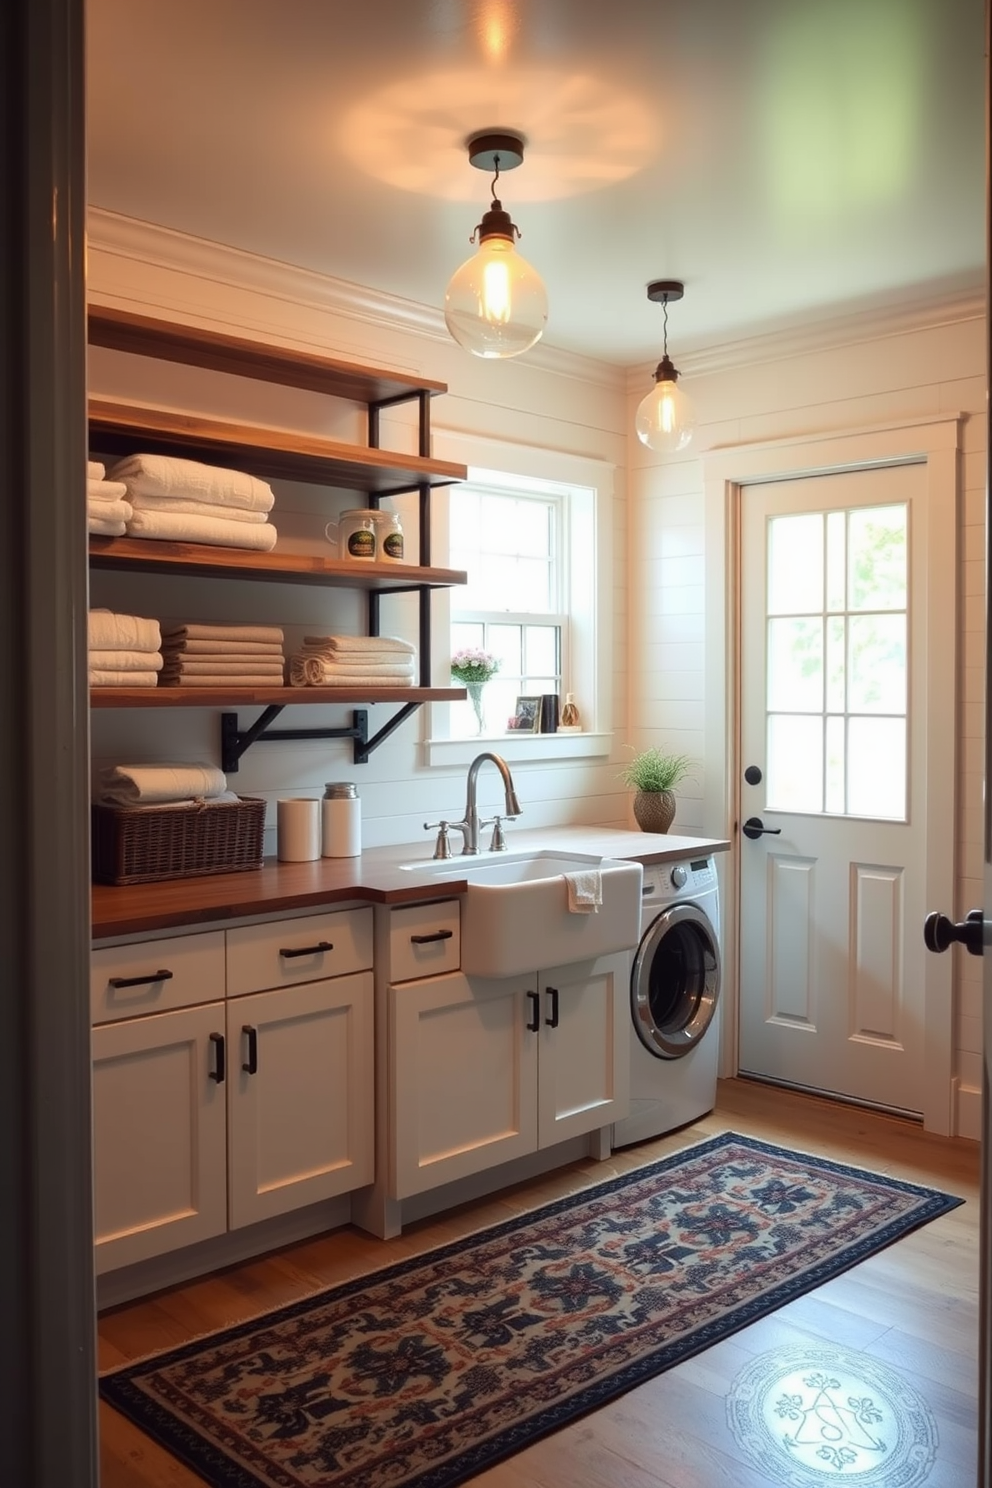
<point x="130" y="847"/>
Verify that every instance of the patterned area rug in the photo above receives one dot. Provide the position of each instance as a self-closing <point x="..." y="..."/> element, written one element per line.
<point x="426" y="1373"/>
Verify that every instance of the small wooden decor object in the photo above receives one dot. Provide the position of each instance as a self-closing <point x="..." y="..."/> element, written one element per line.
<point x="131" y="846"/>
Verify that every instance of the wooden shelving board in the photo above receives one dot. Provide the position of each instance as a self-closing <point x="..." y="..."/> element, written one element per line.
<point x="143" y="335"/>
<point x="273" y="454"/>
<point x="264" y="697"/>
<point x="192" y="559"/>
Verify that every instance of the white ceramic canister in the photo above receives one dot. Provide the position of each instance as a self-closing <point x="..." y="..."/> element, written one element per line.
<point x="341" y="820"/>
<point x="298" y="829"/>
<point x="355" y="535"/>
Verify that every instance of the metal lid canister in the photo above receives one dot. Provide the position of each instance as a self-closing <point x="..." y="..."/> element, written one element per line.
<point x="341" y="820"/>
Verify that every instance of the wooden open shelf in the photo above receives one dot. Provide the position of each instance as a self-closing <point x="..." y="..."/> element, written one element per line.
<point x="264" y="697"/>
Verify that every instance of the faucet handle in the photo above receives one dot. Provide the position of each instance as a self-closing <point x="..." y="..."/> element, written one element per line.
<point x="442" y="847"/>
<point x="498" y="843"/>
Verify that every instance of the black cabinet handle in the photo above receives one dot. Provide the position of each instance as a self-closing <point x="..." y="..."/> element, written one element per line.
<point x="141" y="981"/>
<point x="322" y="945"/>
<point x="552" y="1022"/>
<point x="218" y="1071"/>
<point x="754" y="827"/>
<point x="435" y="935"/>
<point x="251" y="1068"/>
<point x="535" y="1012"/>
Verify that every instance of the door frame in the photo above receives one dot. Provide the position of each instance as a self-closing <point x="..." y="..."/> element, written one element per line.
<point x="727" y="471"/>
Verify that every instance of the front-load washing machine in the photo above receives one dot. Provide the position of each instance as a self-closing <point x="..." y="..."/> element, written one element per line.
<point x="674" y="1001"/>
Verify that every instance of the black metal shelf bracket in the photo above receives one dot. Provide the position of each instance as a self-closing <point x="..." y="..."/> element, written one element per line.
<point x="234" y="742"/>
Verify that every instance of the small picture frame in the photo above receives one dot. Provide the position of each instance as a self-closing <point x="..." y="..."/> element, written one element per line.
<point x="526" y="716"/>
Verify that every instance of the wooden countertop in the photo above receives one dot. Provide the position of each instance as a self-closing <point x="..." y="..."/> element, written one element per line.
<point x="376" y="877"/>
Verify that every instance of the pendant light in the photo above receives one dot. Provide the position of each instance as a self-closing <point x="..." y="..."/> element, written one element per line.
<point x="496" y="304"/>
<point x="665" y="418"/>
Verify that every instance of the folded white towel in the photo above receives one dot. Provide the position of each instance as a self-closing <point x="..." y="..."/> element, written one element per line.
<point x="221" y="679"/>
<point x="216" y="531"/>
<point x="105" y="526"/>
<point x="317" y="671"/>
<point x="104" y="490"/>
<point x="126" y="661"/>
<point x="224" y="666"/>
<point x="363" y="644"/>
<point x="190" y="480"/>
<point x="94" y="470"/>
<point x="268" y="633"/>
<point x="106" y="677"/>
<point x="108" y="511"/>
<point x="585" y="891"/>
<point x="195" y="803"/>
<point x="131" y="785"/>
<point x="186" y="506"/>
<point x="223" y="650"/>
<point x="111" y="632"/>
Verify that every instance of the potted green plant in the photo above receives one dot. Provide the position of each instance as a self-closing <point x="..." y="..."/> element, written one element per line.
<point x="653" y="773"/>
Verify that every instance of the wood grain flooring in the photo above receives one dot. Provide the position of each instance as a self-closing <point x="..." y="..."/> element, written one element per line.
<point x="913" y="1307"/>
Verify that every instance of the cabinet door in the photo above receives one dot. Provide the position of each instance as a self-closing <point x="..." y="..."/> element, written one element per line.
<point x="300" y="1095"/>
<point x="463" y="1072"/>
<point x="159" y="1127"/>
<point x="585" y="1047"/>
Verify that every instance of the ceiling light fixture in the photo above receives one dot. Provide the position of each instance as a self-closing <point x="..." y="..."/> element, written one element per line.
<point x="496" y="304"/>
<point x="665" y="418"/>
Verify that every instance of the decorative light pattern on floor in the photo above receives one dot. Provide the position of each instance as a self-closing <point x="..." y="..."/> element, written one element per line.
<point x="811" y="1415"/>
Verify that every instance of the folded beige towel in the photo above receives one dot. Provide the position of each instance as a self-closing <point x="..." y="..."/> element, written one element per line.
<point x="311" y="671"/>
<point x="186" y="506"/>
<point x="190" y="480"/>
<point x="196" y="803"/>
<point x="108" y="511"/>
<point x="105" y="490"/>
<point x="228" y="666"/>
<point x="356" y="668"/>
<point x="104" y="677"/>
<point x="94" y="470"/>
<point x="216" y="531"/>
<point x="268" y="633"/>
<point x="105" y="527"/>
<point x="131" y="785"/>
<point x="126" y="661"/>
<point x="363" y="644"/>
<point x="198" y="679"/>
<point x="111" y="632"/>
<point x="223" y="650"/>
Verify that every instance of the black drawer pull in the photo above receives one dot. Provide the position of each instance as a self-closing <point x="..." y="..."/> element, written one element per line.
<point x="142" y="981"/>
<point x="218" y="1071"/>
<point x="552" y="1022"/>
<point x="322" y="945"/>
<point x="434" y="935"/>
<point x="535" y="1011"/>
<point x="251" y="1068"/>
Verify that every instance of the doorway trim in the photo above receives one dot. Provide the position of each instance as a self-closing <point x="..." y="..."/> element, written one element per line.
<point x="936" y="442"/>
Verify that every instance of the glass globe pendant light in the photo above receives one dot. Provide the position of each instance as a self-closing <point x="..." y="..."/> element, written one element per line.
<point x="496" y="304"/>
<point x="665" y="418"/>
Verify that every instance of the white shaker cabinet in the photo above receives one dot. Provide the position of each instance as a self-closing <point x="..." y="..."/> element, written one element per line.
<point x="486" y="1070"/>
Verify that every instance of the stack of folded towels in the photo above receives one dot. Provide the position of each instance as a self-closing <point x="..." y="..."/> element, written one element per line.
<point x="140" y="786"/>
<point x="124" y="650"/>
<point x="184" y="501"/>
<point x="107" y="512"/>
<point x="223" y="656"/>
<point x="353" y="661"/>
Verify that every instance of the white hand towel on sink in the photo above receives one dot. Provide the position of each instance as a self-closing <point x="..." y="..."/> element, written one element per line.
<point x="585" y="891"/>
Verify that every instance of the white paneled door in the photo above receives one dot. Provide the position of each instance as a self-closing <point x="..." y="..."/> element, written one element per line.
<point x="841" y="615"/>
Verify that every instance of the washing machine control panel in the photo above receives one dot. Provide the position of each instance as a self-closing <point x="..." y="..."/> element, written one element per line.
<point x="666" y="882"/>
<point x="679" y="876"/>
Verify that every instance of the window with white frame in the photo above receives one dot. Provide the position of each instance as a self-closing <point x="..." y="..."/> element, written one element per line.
<point x="513" y="545"/>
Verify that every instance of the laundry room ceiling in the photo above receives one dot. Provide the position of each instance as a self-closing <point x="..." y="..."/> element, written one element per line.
<point x="791" y="161"/>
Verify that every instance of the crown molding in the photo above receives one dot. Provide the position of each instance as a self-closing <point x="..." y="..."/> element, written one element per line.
<point x="161" y="247"/>
<point x="823" y="335"/>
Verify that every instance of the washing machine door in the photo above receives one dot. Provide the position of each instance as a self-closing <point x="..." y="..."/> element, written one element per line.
<point x="675" y="981"/>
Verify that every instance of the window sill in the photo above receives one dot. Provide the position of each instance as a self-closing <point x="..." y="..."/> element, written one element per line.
<point x="517" y="747"/>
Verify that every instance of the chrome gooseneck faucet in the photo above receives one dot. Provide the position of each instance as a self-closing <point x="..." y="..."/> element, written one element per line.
<point x="469" y="826"/>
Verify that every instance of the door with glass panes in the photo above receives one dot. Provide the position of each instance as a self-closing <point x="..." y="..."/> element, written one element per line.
<point x="834" y="651"/>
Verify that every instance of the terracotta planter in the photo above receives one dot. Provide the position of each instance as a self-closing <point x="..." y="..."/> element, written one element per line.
<point x="654" y="811"/>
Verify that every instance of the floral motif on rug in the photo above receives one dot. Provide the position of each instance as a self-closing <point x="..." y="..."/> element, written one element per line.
<point x="427" y="1372"/>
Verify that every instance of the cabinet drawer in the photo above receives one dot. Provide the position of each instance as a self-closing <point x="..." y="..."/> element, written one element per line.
<point x="424" y="940"/>
<point x="283" y="952"/>
<point x="125" y="980"/>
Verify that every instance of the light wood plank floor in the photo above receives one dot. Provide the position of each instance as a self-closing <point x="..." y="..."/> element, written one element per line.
<point x="913" y="1307"/>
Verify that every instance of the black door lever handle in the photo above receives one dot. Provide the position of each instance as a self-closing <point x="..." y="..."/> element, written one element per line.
<point x="754" y="828"/>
